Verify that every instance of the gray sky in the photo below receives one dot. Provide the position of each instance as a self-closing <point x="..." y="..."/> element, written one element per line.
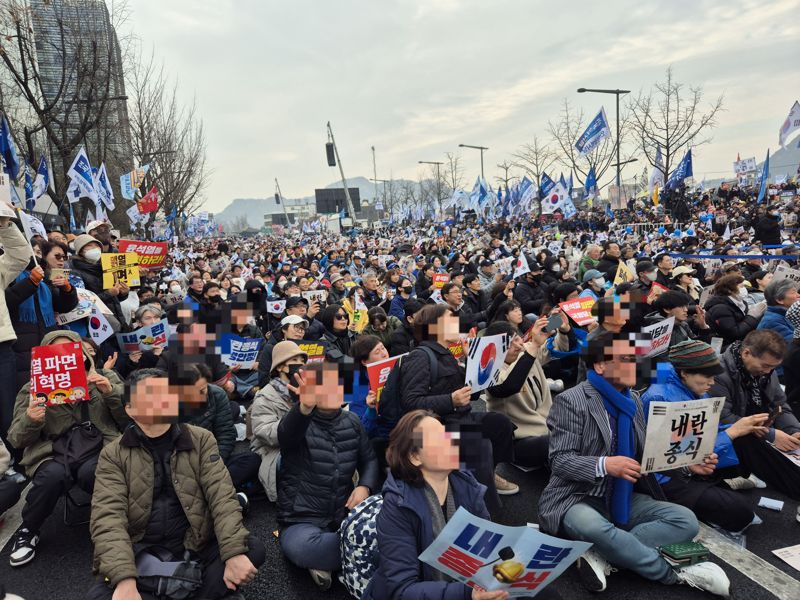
<point x="415" y="78"/>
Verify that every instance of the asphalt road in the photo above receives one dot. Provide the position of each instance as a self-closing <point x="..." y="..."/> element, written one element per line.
<point x="62" y="568"/>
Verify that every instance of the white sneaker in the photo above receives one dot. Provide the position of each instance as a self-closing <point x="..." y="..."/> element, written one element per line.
<point x="706" y="576"/>
<point x="758" y="483"/>
<point x="556" y="385"/>
<point x="593" y="570"/>
<point x="740" y="483"/>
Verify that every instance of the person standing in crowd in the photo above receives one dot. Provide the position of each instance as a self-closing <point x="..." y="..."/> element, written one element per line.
<point x="86" y="264"/>
<point x="162" y="491"/>
<point x="322" y="448"/>
<point x="402" y="339"/>
<point x="596" y="437"/>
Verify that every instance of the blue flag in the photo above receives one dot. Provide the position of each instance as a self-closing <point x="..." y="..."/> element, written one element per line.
<point x="590" y="186"/>
<point x="683" y="171"/>
<point x="30" y="201"/>
<point x="7" y="149"/>
<point x="546" y="186"/>
<point x="171" y="216"/>
<point x="72" y="226"/>
<point x="609" y="212"/>
<point x="762" y="192"/>
<point x="42" y="179"/>
<point x="596" y="132"/>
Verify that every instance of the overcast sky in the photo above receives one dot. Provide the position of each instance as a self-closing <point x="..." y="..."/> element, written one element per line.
<point x="415" y="78"/>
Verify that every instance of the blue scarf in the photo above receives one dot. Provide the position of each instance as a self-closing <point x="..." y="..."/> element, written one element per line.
<point x="27" y="309"/>
<point x="621" y="407"/>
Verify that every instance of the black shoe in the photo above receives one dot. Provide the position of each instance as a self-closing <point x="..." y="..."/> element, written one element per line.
<point x="244" y="502"/>
<point x="23" y="550"/>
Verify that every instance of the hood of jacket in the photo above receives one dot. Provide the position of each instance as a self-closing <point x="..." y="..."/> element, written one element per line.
<point x="48" y="338"/>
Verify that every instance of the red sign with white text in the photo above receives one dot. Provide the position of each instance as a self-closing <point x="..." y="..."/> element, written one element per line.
<point x="378" y="373"/>
<point x="152" y="255"/>
<point x="58" y="375"/>
<point x="579" y="310"/>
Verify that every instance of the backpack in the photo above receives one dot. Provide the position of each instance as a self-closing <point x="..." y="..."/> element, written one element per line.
<point x="390" y="407"/>
<point x="358" y="541"/>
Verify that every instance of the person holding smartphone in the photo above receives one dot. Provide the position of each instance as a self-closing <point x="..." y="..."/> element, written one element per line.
<point x="270" y="405"/>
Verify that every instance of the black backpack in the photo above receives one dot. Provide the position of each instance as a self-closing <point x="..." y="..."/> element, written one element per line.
<point x="390" y="407"/>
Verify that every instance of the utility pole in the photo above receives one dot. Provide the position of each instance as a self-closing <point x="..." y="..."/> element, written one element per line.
<point x="481" y="148"/>
<point x="283" y="202"/>
<point x="341" y="171"/>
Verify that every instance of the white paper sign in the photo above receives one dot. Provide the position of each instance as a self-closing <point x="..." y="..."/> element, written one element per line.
<point x="86" y="300"/>
<point x="484" y="360"/>
<point x="790" y="555"/>
<point x="660" y="334"/>
<point x="315" y="296"/>
<point x="786" y="272"/>
<point x="680" y="434"/>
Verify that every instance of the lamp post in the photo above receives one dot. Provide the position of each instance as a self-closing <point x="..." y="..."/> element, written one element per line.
<point x="438" y="180"/>
<point x="617" y="94"/>
<point x="481" y="148"/>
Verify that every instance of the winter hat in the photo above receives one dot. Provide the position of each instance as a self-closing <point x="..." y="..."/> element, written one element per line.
<point x="694" y="355"/>
<point x="82" y="240"/>
<point x="284" y="351"/>
<point x="793" y="316"/>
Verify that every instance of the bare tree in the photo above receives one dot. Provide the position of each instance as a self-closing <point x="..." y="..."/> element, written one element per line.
<point x="454" y="172"/>
<point x="505" y="178"/>
<point x="568" y="129"/>
<point x="168" y="136"/>
<point x="534" y="159"/>
<point x="61" y="80"/>
<point x="670" y="116"/>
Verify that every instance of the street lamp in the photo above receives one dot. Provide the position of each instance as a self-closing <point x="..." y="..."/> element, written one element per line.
<point x="616" y="93"/>
<point x="438" y="180"/>
<point x="481" y="148"/>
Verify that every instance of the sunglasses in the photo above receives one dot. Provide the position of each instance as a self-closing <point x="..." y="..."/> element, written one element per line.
<point x="59" y="257"/>
<point x="340" y="317"/>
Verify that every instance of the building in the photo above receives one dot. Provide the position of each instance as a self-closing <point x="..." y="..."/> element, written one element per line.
<point x="298" y="209"/>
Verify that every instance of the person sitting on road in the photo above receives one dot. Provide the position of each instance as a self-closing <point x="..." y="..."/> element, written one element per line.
<point x="270" y="405"/>
<point x="780" y="295"/>
<point x="597" y="434"/>
<point x="10" y="489"/>
<point x="727" y="313"/>
<point x="422" y="492"/>
<point x="322" y="448"/>
<point x="673" y="303"/>
<point x="163" y="495"/>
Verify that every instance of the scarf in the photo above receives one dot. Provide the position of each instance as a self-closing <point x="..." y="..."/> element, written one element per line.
<point x="752" y="385"/>
<point x="438" y="519"/>
<point x="622" y="408"/>
<point x="27" y="308"/>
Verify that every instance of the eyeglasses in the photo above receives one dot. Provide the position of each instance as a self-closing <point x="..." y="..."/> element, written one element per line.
<point x="340" y="317"/>
<point x="59" y="257"/>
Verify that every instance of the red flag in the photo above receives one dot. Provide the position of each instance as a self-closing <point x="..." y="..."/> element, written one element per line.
<point x="149" y="203"/>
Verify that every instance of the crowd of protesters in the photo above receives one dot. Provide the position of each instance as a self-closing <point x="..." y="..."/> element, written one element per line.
<point x="172" y="443"/>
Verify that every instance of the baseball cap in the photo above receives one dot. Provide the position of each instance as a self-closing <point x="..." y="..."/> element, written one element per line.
<point x="95" y="224"/>
<point x="592" y="274"/>
<point x="293" y="320"/>
<point x="682" y="270"/>
<point x="295" y="300"/>
<point x="645" y="266"/>
<point x="486" y="262"/>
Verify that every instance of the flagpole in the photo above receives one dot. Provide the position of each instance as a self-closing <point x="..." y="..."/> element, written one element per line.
<point x="33" y="254"/>
<point x="283" y="202"/>
<point x="341" y="172"/>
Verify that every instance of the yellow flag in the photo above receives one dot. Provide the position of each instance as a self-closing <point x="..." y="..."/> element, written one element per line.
<point x="623" y="275"/>
<point x="655" y="195"/>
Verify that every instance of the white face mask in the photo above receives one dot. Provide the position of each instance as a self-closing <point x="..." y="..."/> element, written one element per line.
<point x="556" y="268"/>
<point x="599" y="282"/>
<point x="92" y="255"/>
<point x="743" y="292"/>
<point x="176" y="289"/>
<point x="651" y="277"/>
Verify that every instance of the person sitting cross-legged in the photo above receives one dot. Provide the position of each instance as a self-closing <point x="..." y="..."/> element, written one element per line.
<point x="163" y="495"/>
<point x="596" y="492"/>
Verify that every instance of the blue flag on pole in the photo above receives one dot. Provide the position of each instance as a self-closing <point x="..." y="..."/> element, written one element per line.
<point x="30" y="201"/>
<point x="590" y="186"/>
<point x="81" y="173"/>
<point x="171" y="216"/>
<point x="683" y="171"/>
<point x="596" y="132"/>
<point x="762" y="191"/>
<point x="7" y="149"/>
<point x="72" y="226"/>
<point x="42" y="179"/>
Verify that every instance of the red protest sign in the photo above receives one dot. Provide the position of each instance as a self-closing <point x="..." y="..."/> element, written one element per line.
<point x="149" y="203"/>
<point x="152" y="255"/>
<point x="439" y="279"/>
<point x="314" y="349"/>
<point x="579" y="310"/>
<point x="378" y="373"/>
<point x="655" y="291"/>
<point x="58" y="375"/>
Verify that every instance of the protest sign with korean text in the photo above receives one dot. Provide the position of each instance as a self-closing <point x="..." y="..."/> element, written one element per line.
<point x="120" y="268"/>
<point x="680" y="434"/>
<point x="485" y="358"/>
<point x="656" y="289"/>
<point x="58" y="375"/>
<point x="145" y="338"/>
<point x="239" y="352"/>
<point x="315" y="296"/>
<point x="657" y="337"/>
<point x="579" y="310"/>
<point x="783" y="271"/>
<point x="439" y="279"/>
<point x="314" y="349"/>
<point x="378" y="373"/>
<point x="152" y="255"/>
<point x="86" y="300"/>
<point x="481" y="554"/>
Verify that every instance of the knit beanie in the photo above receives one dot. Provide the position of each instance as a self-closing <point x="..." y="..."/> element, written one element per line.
<point x="694" y="355"/>
<point x="793" y="316"/>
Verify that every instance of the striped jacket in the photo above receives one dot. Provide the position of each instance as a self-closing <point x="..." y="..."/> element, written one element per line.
<point x="580" y="433"/>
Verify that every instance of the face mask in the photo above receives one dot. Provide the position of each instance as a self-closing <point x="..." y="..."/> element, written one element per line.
<point x="599" y="282"/>
<point x="93" y="255"/>
<point x="215" y="299"/>
<point x="556" y="268"/>
<point x="176" y="289"/>
<point x="709" y="245"/>
<point x="407" y="290"/>
<point x="743" y="292"/>
<point x="651" y="277"/>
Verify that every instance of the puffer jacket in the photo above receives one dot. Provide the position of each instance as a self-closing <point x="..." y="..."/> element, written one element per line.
<point x="727" y="320"/>
<point x="775" y="319"/>
<point x="16" y="256"/>
<point x="416" y="390"/>
<point x="92" y="275"/>
<point x="319" y="455"/>
<point x="531" y="296"/>
<point x="392" y="325"/>
<point x="269" y="406"/>
<point x="36" y="439"/>
<point x="216" y="417"/>
<point x="405" y="529"/>
<point x="123" y="499"/>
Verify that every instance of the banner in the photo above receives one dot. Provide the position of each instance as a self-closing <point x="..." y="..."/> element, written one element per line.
<point x="579" y="310"/>
<point x="657" y="336"/>
<point x="439" y="279"/>
<point x="314" y="349"/>
<point x="145" y="338"/>
<point x="597" y="131"/>
<point x="120" y="268"/>
<point x="58" y="375"/>
<point x="239" y="351"/>
<point x="152" y="255"/>
<point x="276" y="307"/>
<point x="103" y="187"/>
<point x="315" y="296"/>
<point x="790" y="125"/>
<point x="744" y="166"/>
<point x="86" y="300"/>
<point x="80" y="174"/>
<point x="484" y="555"/>
<point x="130" y="182"/>
<point x="484" y="360"/>
<point x="378" y="373"/>
<point x="680" y="434"/>
<point x="783" y="271"/>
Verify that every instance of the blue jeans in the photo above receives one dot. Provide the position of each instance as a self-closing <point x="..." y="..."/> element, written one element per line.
<point x="652" y="524"/>
<point x="310" y="547"/>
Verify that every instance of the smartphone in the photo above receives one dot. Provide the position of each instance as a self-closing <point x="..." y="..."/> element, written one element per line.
<point x="293" y="370"/>
<point x="553" y="323"/>
<point x="773" y="414"/>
